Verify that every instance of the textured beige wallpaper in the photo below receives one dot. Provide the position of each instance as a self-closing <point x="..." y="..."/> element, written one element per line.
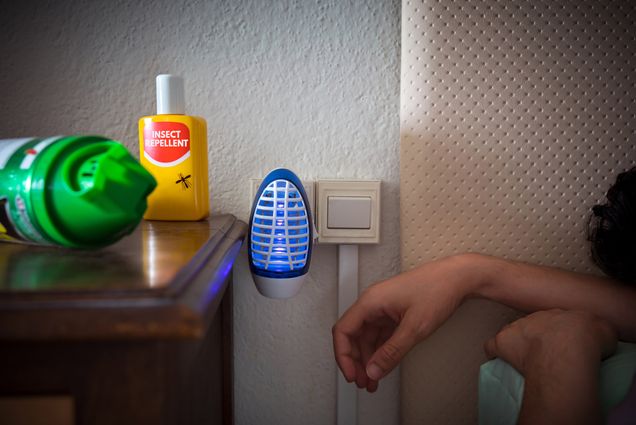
<point x="515" y="118"/>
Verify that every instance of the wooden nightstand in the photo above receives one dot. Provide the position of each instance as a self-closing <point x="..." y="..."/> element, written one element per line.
<point x="136" y="333"/>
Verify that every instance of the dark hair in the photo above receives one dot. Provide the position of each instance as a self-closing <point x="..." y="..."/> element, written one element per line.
<point x="612" y="230"/>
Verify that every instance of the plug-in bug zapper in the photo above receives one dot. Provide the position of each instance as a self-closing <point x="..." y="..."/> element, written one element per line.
<point x="280" y="235"/>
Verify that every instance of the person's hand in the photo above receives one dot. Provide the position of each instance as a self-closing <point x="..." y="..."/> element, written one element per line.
<point x="550" y="336"/>
<point x="392" y="316"/>
<point x="559" y="354"/>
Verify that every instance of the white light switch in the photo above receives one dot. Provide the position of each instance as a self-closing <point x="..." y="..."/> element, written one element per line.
<point x="349" y="212"/>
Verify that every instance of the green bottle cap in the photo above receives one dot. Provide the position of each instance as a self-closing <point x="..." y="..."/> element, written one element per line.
<point x="93" y="192"/>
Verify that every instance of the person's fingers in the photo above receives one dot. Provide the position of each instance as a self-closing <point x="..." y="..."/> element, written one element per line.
<point x="346" y="331"/>
<point x="389" y="354"/>
<point x="372" y="386"/>
<point x="499" y="345"/>
<point x="490" y="348"/>
<point x="609" y="338"/>
<point x="360" y="377"/>
<point x="386" y="330"/>
<point x="368" y="342"/>
<point x="343" y="353"/>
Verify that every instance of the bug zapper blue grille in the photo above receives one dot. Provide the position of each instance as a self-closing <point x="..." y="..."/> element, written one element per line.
<point x="280" y="227"/>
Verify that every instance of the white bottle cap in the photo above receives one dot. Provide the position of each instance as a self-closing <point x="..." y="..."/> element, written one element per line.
<point x="170" y="95"/>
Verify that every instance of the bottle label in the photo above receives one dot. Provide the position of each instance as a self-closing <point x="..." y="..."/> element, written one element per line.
<point x="17" y="157"/>
<point x="15" y="223"/>
<point x="166" y="144"/>
<point x="7" y="228"/>
<point x="8" y="147"/>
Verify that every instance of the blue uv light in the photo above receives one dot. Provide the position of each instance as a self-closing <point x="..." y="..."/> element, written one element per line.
<point x="280" y="232"/>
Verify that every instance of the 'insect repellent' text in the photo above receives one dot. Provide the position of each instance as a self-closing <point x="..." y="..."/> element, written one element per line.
<point x="166" y="143"/>
<point x="168" y="139"/>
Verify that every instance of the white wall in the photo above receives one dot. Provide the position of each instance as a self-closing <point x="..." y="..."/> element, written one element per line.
<point x="313" y="86"/>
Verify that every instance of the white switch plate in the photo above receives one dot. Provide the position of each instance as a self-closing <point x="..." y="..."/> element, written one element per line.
<point x="347" y="188"/>
<point x="307" y="184"/>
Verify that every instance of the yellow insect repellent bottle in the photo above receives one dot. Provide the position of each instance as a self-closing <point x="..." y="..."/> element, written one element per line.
<point x="174" y="148"/>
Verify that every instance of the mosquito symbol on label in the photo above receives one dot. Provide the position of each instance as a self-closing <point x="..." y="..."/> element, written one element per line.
<point x="185" y="181"/>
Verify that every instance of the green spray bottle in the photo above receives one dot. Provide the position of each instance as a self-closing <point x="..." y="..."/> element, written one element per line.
<point x="77" y="191"/>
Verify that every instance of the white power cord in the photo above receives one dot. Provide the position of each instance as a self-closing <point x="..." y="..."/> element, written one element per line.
<point x="347" y="395"/>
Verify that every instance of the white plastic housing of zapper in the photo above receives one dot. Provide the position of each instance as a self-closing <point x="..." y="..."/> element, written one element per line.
<point x="280" y="237"/>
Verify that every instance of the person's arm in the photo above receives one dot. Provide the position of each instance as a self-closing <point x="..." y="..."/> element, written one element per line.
<point x="562" y="392"/>
<point x="559" y="353"/>
<point x="392" y="316"/>
<point x="530" y="288"/>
